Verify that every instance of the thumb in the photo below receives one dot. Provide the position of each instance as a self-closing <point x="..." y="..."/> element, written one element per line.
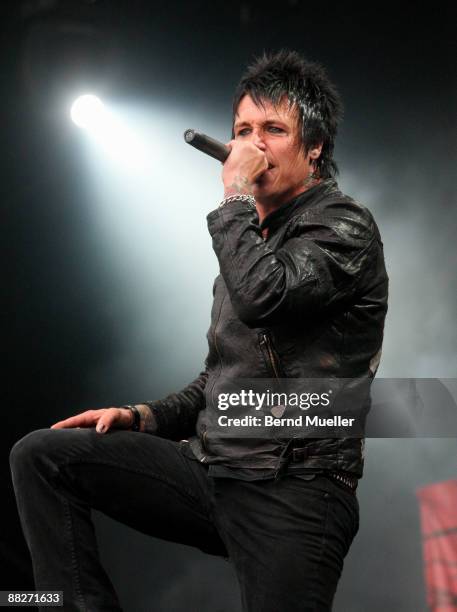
<point x="101" y="427"/>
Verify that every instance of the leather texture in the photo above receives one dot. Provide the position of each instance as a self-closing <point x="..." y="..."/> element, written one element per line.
<point x="307" y="301"/>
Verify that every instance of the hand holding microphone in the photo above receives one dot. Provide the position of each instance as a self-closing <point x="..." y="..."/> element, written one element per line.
<point x="244" y="162"/>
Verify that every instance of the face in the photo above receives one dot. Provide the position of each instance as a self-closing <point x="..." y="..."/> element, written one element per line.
<point x="275" y="131"/>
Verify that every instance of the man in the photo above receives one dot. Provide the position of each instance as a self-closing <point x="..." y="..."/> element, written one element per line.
<point x="302" y="293"/>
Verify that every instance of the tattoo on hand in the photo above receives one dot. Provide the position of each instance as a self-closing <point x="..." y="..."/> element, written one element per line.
<point x="240" y="185"/>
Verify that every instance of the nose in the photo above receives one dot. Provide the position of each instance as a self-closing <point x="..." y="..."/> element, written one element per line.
<point x="257" y="139"/>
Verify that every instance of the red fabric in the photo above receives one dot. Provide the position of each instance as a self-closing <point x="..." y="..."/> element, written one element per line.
<point x="438" y="511"/>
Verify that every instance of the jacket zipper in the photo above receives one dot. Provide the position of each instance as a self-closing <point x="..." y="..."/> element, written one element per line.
<point x="204" y="448"/>
<point x="265" y="341"/>
<point x="205" y="433"/>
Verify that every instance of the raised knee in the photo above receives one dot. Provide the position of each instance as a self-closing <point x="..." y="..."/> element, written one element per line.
<point x="31" y="446"/>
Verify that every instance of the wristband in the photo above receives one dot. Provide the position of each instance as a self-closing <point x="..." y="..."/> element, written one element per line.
<point x="136" y="416"/>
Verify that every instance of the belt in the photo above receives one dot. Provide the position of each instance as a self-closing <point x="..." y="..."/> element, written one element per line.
<point x="299" y="453"/>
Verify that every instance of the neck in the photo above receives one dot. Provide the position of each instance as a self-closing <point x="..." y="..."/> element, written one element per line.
<point x="265" y="207"/>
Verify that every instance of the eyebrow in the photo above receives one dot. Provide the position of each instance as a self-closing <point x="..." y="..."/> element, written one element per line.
<point x="267" y="122"/>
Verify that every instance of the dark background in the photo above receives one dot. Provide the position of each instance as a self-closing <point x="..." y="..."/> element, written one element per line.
<point x="100" y="312"/>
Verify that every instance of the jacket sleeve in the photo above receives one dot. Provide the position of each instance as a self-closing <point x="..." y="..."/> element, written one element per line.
<point x="321" y="263"/>
<point x="175" y="416"/>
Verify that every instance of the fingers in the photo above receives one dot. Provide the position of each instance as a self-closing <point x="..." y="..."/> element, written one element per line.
<point x="114" y="417"/>
<point x="229" y="147"/>
<point x="85" y="419"/>
<point x="103" y="419"/>
<point x="89" y="418"/>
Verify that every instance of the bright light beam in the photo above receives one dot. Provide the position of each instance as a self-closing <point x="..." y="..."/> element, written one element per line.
<point x="87" y="111"/>
<point x="111" y="135"/>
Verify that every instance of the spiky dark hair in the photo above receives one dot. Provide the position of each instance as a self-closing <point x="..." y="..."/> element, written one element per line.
<point x="305" y="84"/>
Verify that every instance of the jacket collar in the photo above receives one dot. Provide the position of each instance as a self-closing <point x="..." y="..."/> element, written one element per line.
<point x="308" y="197"/>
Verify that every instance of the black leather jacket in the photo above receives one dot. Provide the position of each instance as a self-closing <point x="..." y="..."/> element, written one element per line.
<point x="309" y="301"/>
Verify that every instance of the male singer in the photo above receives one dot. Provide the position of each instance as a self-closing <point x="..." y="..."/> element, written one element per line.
<point x="302" y="293"/>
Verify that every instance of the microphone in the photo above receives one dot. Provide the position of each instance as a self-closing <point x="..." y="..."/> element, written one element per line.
<point x="207" y="145"/>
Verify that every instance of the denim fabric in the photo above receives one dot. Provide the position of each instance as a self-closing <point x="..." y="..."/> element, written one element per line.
<point x="286" y="538"/>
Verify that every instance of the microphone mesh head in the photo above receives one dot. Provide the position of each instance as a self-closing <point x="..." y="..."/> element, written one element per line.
<point x="189" y="135"/>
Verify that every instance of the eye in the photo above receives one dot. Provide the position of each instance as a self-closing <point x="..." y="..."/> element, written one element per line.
<point x="275" y="129"/>
<point x="243" y="132"/>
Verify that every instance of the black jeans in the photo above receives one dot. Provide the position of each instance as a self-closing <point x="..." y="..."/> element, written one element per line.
<point x="286" y="538"/>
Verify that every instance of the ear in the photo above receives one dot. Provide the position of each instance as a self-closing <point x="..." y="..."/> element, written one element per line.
<point x="315" y="152"/>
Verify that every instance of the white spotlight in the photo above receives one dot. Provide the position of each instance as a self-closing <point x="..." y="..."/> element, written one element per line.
<point x="109" y="132"/>
<point x="87" y="111"/>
